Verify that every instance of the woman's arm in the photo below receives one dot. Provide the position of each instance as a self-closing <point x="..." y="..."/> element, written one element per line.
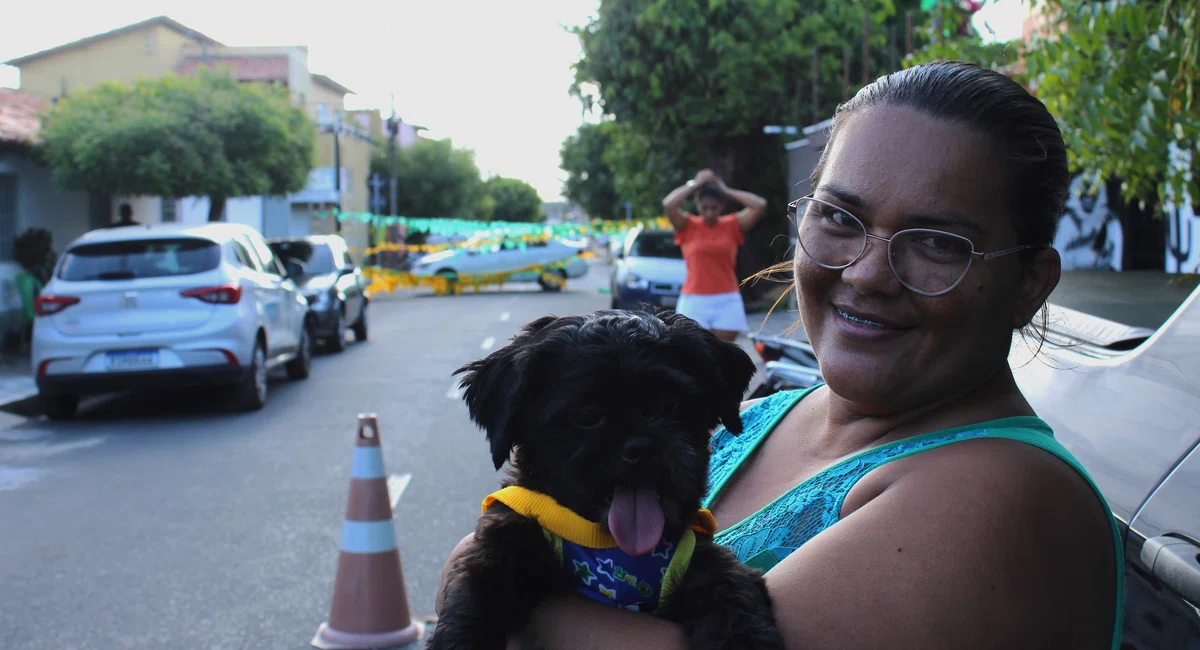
<point x="680" y="194"/>
<point x="968" y="552"/>
<point x="754" y="204"/>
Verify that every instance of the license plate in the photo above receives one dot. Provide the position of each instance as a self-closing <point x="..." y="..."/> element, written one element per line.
<point x="669" y="301"/>
<point x="133" y="360"/>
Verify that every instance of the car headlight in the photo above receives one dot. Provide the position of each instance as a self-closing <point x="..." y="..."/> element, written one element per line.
<point x="635" y="281"/>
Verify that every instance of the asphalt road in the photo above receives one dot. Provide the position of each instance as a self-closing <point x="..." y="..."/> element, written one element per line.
<point x="165" y="521"/>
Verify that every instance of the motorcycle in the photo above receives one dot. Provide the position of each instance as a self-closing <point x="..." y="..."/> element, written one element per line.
<point x="787" y="364"/>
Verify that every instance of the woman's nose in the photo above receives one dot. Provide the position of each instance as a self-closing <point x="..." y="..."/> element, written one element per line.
<point x="872" y="272"/>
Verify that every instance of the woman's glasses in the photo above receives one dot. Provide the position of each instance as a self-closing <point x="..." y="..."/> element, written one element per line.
<point x="929" y="262"/>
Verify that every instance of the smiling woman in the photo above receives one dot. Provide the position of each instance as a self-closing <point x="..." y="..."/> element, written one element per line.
<point x="917" y="483"/>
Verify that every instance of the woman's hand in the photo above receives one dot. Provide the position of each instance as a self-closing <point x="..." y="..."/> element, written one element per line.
<point x="706" y="176"/>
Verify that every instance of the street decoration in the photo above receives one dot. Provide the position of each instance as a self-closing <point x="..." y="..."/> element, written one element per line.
<point x="479" y="235"/>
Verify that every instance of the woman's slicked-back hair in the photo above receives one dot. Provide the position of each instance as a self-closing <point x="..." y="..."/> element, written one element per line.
<point x="1018" y="123"/>
<point x="710" y="191"/>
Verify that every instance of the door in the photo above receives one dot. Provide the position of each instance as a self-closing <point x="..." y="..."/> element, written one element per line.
<point x="1162" y="560"/>
<point x="350" y="281"/>
<point x="271" y="296"/>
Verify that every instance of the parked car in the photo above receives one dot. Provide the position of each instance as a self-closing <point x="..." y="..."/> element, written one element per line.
<point x="1125" y="399"/>
<point x="141" y="307"/>
<point x="649" y="270"/>
<point x="333" y="285"/>
<point x="477" y="257"/>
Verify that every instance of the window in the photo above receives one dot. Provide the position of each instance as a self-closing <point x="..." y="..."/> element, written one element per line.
<point x="269" y="263"/>
<point x="169" y="210"/>
<point x="145" y="258"/>
<point x="244" y="256"/>
<point x="655" y="245"/>
<point x="318" y="259"/>
<point x="8" y="215"/>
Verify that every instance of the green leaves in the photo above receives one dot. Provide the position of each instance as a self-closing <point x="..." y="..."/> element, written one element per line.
<point x="590" y="177"/>
<point x="436" y="179"/>
<point x="206" y="135"/>
<point x="1120" y="80"/>
<point x="513" y="200"/>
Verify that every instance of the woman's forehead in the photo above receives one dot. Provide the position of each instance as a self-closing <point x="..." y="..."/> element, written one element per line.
<point x="899" y="155"/>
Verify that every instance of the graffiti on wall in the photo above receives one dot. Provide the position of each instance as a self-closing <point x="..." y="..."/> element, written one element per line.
<point x="1183" y="226"/>
<point x="1089" y="233"/>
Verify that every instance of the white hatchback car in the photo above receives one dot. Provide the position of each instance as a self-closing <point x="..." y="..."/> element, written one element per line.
<point x="167" y="305"/>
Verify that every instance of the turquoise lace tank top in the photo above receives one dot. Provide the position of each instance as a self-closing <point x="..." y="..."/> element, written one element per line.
<point x="765" y="538"/>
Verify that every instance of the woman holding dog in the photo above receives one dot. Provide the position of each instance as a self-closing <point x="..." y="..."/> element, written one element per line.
<point x="709" y="242"/>
<point x="914" y="500"/>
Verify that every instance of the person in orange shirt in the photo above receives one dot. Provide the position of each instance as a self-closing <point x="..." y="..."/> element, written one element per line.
<point x="710" y="242"/>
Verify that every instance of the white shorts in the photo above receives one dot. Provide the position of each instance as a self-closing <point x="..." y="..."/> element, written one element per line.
<point x="718" y="311"/>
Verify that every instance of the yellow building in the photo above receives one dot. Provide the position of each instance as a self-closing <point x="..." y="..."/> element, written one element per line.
<point x="160" y="46"/>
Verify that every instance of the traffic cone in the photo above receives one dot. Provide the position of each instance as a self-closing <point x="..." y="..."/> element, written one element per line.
<point x="370" y="603"/>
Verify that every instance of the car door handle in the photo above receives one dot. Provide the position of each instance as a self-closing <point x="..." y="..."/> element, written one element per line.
<point x="1176" y="562"/>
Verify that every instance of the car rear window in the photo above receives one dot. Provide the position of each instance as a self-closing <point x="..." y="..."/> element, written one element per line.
<point x="317" y="258"/>
<point x="655" y="245"/>
<point x="139" y="258"/>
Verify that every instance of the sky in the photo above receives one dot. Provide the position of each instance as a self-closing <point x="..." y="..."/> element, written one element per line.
<point x="491" y="76"/>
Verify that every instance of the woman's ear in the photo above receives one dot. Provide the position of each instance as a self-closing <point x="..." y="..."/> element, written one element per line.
<point x="1040" y="276"/>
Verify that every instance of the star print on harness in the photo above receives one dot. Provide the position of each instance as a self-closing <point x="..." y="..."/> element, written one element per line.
<point x="600" y="570"/>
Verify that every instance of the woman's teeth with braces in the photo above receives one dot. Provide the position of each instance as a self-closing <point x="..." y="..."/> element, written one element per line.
<point x="861" y="321"/>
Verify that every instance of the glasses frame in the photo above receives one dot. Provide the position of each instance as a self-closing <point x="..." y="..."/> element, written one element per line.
<point x="793" y="212"/>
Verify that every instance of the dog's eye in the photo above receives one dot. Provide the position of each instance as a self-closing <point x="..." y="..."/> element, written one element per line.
<point x="587" y="418"/>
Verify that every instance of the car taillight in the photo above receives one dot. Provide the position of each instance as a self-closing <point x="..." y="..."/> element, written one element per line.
<point x="225" y="294"/>
<point x="46" y="305"/>
<point x="768" y="354"/>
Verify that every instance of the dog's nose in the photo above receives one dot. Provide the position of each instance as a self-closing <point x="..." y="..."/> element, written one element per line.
<point x="636" y="450"/>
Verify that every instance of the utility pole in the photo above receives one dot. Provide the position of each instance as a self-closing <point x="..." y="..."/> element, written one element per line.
<point x="393" y="127"/>
<point x="337" y="163"/>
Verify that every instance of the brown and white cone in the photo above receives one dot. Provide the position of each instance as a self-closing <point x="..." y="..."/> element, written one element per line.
<point x="370" y="603"/>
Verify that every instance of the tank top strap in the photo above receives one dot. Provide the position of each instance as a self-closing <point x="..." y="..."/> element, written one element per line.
<point x="730" y="450"/>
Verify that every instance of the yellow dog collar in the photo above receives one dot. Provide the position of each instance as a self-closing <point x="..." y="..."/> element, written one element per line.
<point x="568" y="525"/>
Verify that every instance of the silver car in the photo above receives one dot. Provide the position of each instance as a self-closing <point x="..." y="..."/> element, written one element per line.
<point x="167" y="305"/>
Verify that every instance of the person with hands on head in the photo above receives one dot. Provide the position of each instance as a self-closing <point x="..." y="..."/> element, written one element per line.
<point x="710" y="242"/>
<point x="914" y="500"/>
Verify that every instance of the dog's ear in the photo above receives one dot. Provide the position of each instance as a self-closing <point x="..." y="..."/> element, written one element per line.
<point x="724" y="368"/>
<point x="492" y="388"/>
<point x="735" y="369"/>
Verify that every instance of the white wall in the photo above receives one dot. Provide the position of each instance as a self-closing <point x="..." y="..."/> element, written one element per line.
<point x="146" y="209"/>
<point x="40" y="203"/>
<point x="246" y="210"/>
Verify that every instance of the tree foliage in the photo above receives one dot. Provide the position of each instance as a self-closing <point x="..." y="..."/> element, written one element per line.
<point x="204" y="135"/>
<point x="435" y="179"/>
<point x="513" y="200"/>
<point x="686" y="84"/>
<point x="1120" y="76"/>
<point x="590" y="177"/>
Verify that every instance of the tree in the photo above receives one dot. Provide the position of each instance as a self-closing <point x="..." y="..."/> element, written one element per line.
<point x="1120" y="77"/>
<point x="590" y="177"/>
<point x="692" y="83"/>
<point x="435" y="179"/>
<point x="205" y="135"/>
<point x="513" y="200"/>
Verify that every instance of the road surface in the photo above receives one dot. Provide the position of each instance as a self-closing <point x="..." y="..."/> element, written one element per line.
<point x="163" y="521"/>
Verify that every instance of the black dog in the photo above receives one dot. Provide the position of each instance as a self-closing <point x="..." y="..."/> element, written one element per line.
<point x="609" y="415"/>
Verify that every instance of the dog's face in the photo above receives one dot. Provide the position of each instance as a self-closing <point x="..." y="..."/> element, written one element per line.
<point x="611" y="414"/>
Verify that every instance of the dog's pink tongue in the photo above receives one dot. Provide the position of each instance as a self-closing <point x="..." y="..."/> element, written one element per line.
<point x="635" y="520"/>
